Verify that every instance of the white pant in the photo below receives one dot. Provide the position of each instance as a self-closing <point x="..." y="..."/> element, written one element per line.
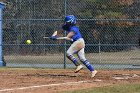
<point x="77" y="47"/>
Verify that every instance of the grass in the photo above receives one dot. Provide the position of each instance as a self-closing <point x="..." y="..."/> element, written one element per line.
<point x="125" y="88"/>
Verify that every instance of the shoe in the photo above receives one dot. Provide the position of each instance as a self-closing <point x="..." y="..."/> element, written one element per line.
<point x="93" y="73"/>
<point x="78" y="68"/>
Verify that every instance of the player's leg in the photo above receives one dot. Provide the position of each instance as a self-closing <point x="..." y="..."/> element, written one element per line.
<point x="70" y="56"/>
<point x="82" y="58"/>
<point x="72" y="50"/>
<point x="81" y="55"/>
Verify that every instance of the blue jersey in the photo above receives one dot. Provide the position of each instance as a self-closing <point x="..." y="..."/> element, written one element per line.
<point x="75" y="29"/>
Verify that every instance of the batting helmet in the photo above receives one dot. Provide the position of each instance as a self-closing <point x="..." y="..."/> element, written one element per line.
<point x="71" y="19"/>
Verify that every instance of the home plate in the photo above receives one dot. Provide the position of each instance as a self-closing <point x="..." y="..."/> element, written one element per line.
<point x="97" y="80"/>
<point x="126" y="77"/>
<point x="135" y="75"/>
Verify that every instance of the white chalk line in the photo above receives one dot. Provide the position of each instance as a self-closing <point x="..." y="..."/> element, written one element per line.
<point x="49" y="85"/>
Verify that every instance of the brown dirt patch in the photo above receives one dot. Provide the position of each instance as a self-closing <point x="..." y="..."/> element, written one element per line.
<point x="15" y="78"/>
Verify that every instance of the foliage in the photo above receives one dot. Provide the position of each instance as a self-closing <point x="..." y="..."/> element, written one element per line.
<point x="33" y="19"/>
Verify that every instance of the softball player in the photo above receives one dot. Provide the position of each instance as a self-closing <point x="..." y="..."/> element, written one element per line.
<point x="77" y="46"/>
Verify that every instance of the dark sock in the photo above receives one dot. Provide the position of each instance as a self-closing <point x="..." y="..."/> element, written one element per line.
<point x="73" y="59"/>
<point x="88" y="65"/>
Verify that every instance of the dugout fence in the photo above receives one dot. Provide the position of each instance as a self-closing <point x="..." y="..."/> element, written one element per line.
<point x="111" y="33"/>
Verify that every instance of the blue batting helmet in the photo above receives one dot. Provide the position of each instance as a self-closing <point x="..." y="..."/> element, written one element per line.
<point x="71" y="19"/>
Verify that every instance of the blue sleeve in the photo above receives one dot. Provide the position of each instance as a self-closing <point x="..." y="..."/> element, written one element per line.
<point x="74" y="29"/>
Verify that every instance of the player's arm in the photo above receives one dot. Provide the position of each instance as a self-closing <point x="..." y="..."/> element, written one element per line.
<point x="69" y="36"/>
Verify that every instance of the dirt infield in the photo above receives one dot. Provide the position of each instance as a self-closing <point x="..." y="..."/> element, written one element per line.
<point x="23" y="80"/>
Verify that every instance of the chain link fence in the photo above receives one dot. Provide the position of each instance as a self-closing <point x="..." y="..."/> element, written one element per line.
<point x="110" y="29"/>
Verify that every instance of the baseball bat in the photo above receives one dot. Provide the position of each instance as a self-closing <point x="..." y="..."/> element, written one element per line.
<point x="59" y="38"/>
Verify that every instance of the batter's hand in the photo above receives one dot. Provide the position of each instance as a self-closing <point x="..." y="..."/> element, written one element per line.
<point x="53" y="37"/>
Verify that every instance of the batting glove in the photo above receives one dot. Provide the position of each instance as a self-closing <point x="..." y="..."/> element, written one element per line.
<point x="53" y="37"/>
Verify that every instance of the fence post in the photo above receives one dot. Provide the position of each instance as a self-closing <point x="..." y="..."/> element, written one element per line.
<point x="2" y="63"/>
<point x="65" y="46"/>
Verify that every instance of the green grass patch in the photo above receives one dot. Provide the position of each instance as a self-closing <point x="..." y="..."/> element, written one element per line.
<point x="125" y="88"/>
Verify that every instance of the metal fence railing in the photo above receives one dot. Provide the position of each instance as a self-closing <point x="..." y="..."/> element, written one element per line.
<point x="111" y="33"/>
